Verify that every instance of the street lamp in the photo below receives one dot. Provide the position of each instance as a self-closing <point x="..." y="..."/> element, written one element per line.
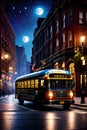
<point x="83" y="63"/>
<point x="6" y="56"/>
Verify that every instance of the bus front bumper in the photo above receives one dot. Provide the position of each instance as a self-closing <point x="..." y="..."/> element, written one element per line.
<point x="57" y="102"/>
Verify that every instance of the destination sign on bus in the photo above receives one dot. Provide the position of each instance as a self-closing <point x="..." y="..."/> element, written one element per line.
<point x="59" y="76"/>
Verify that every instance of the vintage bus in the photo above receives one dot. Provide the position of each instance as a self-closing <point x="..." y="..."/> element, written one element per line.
<point x="48" y="87"/>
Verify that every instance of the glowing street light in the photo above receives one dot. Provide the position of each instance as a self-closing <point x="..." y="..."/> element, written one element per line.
<point x="6" y="56"/>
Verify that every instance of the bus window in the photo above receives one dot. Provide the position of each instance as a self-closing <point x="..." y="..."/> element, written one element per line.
<point x="60" y="83"/>
<point x="19" y="85"/>
<point x="25" y="84"/>
<point x="46" y="84"/>
<point x="42" y="83"/>
<point x="32" y="83"/>
<point x="28" y="83"/>
<point x="36" y="83"/>
<point x="22" y="85"/>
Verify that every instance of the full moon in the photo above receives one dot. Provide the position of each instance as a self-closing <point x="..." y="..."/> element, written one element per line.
<point x="39" y="11"/>
<point x="25" y="39"/>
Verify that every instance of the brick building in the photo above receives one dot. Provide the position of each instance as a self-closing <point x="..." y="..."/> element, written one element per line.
<point x="57" y="40"/>
<point x="7" y="50"/>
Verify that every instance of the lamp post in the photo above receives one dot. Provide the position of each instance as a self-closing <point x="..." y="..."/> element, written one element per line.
<point x="6" y="62"/>
<point x="83" y="63"/>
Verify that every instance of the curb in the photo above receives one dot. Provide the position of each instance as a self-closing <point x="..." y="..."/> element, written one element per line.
<point x="79" y="106"/>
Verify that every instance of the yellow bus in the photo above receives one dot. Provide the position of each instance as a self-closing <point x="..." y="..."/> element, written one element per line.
<point x="48" y="87"/>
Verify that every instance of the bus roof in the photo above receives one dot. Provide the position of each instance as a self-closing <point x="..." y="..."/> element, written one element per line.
<point x="43" y="72"/>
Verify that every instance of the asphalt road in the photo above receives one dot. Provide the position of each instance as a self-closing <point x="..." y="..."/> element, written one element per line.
<point x="28" y="117"/>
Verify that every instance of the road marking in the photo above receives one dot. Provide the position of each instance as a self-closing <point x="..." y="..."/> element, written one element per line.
<point x="57" y="118"/>
<point x="26" y="108"/>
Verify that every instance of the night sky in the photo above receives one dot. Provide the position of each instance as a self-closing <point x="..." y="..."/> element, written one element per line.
<point x="23" y="15"/>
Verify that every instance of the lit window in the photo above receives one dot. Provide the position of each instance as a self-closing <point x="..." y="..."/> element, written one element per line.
<point x="28" y="83"/>
<point x="71" y="68"/>
<point x="70" y="39"/>
<point x="36" y="83"/>
<point x="57" y="42"/>
<point x="63" y="41"/>
<point x="32" y="83"/>
<point x="80" y="17"/>
<point x="42" y="83"/>
<point x="63" y="38"/>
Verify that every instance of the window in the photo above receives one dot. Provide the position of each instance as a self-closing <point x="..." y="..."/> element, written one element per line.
<point x="28" y="83"/>
<point x="19" y="85"/>
<point x="57" y="42"/>
<point x="71" y="68"/>
<point x="36" y="83"/>
<point x="70" y="18"/>
<point x="42" y="83"/>
<point x="57" y="45"/>
<point x="63" y="19"/>
<point x="22" y="84"/>
<point x="51" y="31"/>
<point x="25" y="84"/>
<point x="63" y="38"/>
<point x="57" y="26"/>
<point x="46" y="37"/>
<point x="80" y="17"/>
<point x="85" y="80"/>
<point x="70" y="39"/>
<point x="60" y="83"/>
<point x="86" y="19"/>
<point x="32" y="83"/>
<point x="86" y="16"/>
<point x="63" y="41"/>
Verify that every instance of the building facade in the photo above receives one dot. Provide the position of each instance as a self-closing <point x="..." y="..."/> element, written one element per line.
<point x="7" y="51"/>
<point x="57" y="41"/>
<point x="21" y="61"/>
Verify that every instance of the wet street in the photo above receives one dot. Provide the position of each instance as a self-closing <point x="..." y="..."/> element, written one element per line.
<point x="27" y="117"/>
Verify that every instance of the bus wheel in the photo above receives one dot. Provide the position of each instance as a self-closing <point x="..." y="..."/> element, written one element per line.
<point x="66" y="106"/>
<point x="21" y="101"/>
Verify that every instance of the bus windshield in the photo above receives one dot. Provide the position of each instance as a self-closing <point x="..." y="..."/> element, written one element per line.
<point x="66" y="84"/>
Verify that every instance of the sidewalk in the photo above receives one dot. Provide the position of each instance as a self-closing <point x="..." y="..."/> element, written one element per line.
<point x="78" y="104"/>
<point x="78" y="100"/>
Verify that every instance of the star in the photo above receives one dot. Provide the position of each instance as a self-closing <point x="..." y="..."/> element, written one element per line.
<point x="25" y="8"/>
<point x="20" y="11"/>
<point x="13" y="7"/>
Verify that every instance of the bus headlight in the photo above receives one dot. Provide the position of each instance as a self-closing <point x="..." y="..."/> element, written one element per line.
<point x="70" y="94"/>
<point x="50" y="95"/>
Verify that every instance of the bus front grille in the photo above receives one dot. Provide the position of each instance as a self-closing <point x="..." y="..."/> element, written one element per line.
<point x="61" y="94"/>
